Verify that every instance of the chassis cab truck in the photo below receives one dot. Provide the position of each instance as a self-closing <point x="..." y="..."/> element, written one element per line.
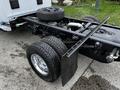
<point x="56" y="54"/>
<point x="12" y="9"/>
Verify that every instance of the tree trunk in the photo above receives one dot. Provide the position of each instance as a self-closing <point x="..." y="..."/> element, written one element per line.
<point x="60" y="2"/>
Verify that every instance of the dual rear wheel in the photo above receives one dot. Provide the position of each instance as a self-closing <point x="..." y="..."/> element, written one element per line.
<point x="44" y="57"/>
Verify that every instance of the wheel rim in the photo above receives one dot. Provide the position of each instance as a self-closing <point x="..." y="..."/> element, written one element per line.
<point x="39" y="64"/>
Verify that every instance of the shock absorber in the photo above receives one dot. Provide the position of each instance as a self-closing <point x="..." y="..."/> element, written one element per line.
<point x="113" y="55"/>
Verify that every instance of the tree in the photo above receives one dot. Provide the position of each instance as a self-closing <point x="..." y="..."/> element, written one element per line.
<point x="60" y="2"/>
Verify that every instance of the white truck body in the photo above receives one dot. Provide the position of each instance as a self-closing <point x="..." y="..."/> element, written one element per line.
<point x="9" y="13"/>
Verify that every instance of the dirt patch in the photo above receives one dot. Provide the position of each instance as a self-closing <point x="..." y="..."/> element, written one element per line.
<point x="23" y="45"/>
<point x="17" y="78"/>
<point x="3" y="49"/>
<point x="20" y="54"/>
<point x="28" y="69"/>
<point x="94" y="82"/>
<point x="6" y="70"/>
<point x="13" y="56"/>
<point x="17" y="50"/>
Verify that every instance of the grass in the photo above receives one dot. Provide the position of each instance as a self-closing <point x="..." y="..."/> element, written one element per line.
<point x="107" y="8"/>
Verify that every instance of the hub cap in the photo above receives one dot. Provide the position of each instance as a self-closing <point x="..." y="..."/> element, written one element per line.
<point x="39" y="64"/>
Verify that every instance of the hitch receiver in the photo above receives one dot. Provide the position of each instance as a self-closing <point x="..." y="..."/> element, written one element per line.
<point x="69" y="59"/>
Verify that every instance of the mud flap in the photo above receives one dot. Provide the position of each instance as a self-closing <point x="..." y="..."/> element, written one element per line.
<point x="68" y="67"/>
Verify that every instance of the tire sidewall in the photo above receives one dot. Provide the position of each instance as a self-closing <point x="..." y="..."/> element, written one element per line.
<point x="36" y="51"/>
<point x="56" y="44"/>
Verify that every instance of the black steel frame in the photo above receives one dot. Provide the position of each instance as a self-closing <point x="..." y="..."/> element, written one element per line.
<point x="70" y="57"/>
<point x="49" y="28"/>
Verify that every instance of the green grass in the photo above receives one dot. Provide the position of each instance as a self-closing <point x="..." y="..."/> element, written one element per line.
<point x="107" y="8"/>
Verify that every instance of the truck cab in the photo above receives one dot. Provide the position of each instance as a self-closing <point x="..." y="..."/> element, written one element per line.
<point x="10" y="10"/>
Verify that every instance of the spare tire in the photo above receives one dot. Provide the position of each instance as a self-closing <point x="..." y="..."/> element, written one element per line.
<point x="50" y="14"/>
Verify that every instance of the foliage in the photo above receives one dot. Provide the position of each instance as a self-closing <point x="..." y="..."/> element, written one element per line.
<point x="107" y="8"/>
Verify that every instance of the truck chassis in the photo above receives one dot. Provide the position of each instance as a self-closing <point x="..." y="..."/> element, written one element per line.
<point x="99" y="41"/>
<point x="102" y="49"/>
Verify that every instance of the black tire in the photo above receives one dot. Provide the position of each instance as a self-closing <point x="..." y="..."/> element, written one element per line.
<point x="91" y="19"/>
<point x="50" y="58"/>
<point x="50" y="14"/>
<point x="56" y="44"/>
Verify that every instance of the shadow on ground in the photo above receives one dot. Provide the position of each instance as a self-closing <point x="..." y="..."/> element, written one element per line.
<point x="94" y="82"/>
